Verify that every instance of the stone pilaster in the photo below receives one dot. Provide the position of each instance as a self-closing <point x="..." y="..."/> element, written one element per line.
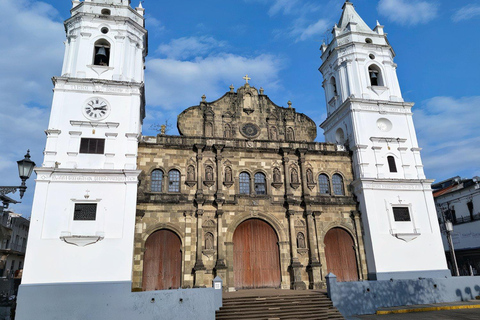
<point x="199" y="149"/>
<point x="360" y="248"/>
<point x="220" y="266"/>
<point x="314" y="266"/>
<point x="295" y="266"/>
<point x="285" y="159"/>
<point x="303" y="172"/>
<point x="199" y="266"/>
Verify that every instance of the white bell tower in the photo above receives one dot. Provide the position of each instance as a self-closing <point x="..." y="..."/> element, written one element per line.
<point x="367" y="114"/>
<point x="83" y="216"/>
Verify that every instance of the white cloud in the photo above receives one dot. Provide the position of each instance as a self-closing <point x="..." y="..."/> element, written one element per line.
<point x="173" y="85"/>
<point x="408" y="12"/>
<point x="187" y="47"/>
<point x="447" y="129"/>
<point x="315" y="29"/>
<point x="467" y="12"/>
<point x="284" y="6"/>
<point x="303" y="25"/>
<point x="32" y="52"/>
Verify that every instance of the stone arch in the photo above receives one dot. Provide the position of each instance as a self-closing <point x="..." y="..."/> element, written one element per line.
<point x="161" y="226"/>
<point x="272" y="221"/>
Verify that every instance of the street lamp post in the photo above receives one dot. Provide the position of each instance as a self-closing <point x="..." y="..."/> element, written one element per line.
<point x="25" y="169"/>
<point x="449" y="230"/>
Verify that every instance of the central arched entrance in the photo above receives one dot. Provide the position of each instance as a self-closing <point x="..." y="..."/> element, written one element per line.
<point x="340" y="255"/>
<point x="256" y="258"/>
<point x="162" y="262"/>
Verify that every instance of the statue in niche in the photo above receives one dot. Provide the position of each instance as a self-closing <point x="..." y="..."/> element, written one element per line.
<point x="228" y="131"/>
<point x="228" y="174"/>
<point x="289" y="135"/>
<point x="208" y="173"/>
<point x="208" y="241"/>
<point x="208" y="129"/>
<point x="273" y="133"/>
<point x="191" y="173"/>
<point x="301" y="241"/>
<point x="294" y="175"/>
<point x="277" y="176"/>
<point x="309" y="176"/>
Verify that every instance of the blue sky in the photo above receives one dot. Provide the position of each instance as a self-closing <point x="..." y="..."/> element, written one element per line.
<point x="202" y="47"/>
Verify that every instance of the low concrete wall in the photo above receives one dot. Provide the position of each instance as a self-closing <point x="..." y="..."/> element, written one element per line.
<point x="106" y="301"/>
<point x="366" y="297"/>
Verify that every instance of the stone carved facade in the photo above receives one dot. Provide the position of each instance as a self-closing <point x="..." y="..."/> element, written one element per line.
<point x="290" y="200"/>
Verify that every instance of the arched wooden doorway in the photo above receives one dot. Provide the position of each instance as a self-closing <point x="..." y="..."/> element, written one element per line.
<point x="256" y="257"/>
<point x="340" y="255"/>
<point x="162" y="262"/>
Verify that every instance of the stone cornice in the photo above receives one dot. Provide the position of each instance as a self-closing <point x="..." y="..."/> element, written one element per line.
<point x="45" y="174"/>
<point x="186" y="142"/>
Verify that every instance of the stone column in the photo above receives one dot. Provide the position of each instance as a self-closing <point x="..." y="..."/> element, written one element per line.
<point x="199" y="266"/>
<point x="303" y="172"/>
<point x="220" y="266"/>
<point x="362" y="272"/>
<point x="314" y="265"/>
<point x="199" y="149"/>
<point x="219" y="157"/>
<point x="285" y="152"/>
<point x="188" y="265"/>
<point x="296" y="266"/>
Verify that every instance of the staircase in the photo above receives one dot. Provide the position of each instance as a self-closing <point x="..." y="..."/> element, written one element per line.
<point x="273" y="304"/>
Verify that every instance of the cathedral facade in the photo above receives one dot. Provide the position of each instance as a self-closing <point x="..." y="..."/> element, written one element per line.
<point x="245" y="193"/>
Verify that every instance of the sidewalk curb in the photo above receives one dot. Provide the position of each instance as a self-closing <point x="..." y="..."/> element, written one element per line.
<point x="472" y="306"/>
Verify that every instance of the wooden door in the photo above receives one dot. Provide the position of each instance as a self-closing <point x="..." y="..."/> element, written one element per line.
<point x="256" y="259"/>
<point x="162" y="262"/>
<point x="340" y="255"/>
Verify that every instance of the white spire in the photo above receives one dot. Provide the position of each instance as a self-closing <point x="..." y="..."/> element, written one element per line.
<point x="349" y="15"/>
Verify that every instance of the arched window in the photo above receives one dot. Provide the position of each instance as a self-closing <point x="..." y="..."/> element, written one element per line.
<point x="174" y="181"/>
<point x="333" y="83"/>
<point x="101" y="54"/>
<point x="244" y="183"/>
<point x="324" y="184"/>
<point x="391" y="164"/>
<point x="337" y="182"/>
<point x="375" y="76"/>
<point x="157" y="179"/>
<point x="260" y="184"/>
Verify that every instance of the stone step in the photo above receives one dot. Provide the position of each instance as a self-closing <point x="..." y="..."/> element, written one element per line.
<point x="278" y="306"/>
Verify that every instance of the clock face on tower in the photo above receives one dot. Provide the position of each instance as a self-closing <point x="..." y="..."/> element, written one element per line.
<point x="96" y="109"/>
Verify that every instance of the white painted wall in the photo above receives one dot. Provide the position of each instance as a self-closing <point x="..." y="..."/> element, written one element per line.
<point x="62" y="250"/>
<point x="375" y="123"/>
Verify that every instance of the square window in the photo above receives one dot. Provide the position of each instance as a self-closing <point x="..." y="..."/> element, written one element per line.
<point x="92" y="146"/>
<point x="85" y="212"/>
<point x="401" y="214"/>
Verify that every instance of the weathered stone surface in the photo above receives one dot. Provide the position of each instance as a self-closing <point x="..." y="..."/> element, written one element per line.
<point x="221" y="202"/>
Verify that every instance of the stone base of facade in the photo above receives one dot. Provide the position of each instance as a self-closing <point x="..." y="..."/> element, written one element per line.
<point x="435" y="274"/>
<point x="372" y="295"/>
<point x="113" y="300"/>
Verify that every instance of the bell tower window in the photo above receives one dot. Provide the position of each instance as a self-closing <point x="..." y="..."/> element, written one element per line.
<point x="375" y="76"/>
<point x="391" y="164"/>
<point x="101" y="53"/>
<point x="334" y="86"/>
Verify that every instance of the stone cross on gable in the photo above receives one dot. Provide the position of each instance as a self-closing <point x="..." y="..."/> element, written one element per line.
<point x="246" y="78"/>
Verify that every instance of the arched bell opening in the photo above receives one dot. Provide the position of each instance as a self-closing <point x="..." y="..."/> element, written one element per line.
<point x="101" y="53"/>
